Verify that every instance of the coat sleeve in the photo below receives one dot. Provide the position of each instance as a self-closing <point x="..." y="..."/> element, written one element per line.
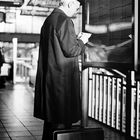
<point x="71" y="46"/>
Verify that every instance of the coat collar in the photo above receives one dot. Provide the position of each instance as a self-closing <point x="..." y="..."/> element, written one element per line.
<point x="57" y="10"/>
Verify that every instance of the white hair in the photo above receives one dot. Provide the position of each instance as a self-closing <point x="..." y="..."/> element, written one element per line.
<point x="65" y="2"/>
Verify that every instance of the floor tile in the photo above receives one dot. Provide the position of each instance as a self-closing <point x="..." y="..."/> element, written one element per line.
<point x="14" y="128"/>
<point x="3" y="135"/>
<point x="35" y="127"/>
<point x="23" y="138"/>
<point x="36" y="132"/>
<point x="38" y="137"/>
<point x="5" y="138"/>
<point x="19" y="133"/>
<point x="2" y="129"/>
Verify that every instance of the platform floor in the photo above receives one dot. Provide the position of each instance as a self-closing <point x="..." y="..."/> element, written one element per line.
<point x="16" y="116"/>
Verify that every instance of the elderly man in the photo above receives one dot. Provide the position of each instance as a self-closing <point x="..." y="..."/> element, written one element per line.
<point x="57" y="89"/>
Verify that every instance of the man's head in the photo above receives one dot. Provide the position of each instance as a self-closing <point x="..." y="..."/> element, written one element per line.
<point x="70" y="7"/>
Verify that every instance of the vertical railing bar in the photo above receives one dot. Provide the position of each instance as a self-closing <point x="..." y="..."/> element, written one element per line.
<point x="25" y="73"/>
<point x="22" y="71"/>
<point x="108" y="100"/>
<point x="137" y="109"/>
<point x="132" y="102"/>
<point x="90" y="92"/>
<point x="112" y="103"/>
<point x="100" y="99"/>
<point x="121" y="105"/>
<point x="104" y="101"/>
<point x="128" y="105"/>
<point x="96" y="97"/>
<point x="124" y="114"/>
<point x="17" y="72"/>
<point x="93" y="95"/>
<point x="117" y="103"/>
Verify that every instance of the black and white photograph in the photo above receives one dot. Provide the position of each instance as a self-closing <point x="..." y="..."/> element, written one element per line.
<point x="69" y="70"/>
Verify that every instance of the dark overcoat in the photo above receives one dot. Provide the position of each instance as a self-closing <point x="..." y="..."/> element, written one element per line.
<point x="57" y="89"/>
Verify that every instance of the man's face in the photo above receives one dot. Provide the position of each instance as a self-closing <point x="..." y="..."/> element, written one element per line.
<point x="74" y="7"/>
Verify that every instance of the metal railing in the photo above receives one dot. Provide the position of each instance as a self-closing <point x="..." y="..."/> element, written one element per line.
<point x="22" y="71"/>
<point x="113" y="99"/>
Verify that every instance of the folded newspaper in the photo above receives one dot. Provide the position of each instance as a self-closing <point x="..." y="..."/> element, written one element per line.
<point x="84" y="36"/>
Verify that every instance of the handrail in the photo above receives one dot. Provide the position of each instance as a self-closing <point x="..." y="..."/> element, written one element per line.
<point x="105" y="95"/>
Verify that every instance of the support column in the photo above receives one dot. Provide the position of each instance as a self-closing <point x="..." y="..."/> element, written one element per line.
<point x="84" y="97"/>
<point x="15" y="41"/>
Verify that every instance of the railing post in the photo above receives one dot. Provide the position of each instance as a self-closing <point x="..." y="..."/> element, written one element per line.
<point x="84" y="96"/>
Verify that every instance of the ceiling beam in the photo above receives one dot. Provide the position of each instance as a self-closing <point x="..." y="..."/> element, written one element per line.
<point x="22" y="37"/>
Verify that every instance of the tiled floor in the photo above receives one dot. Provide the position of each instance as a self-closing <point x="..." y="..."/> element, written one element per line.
<point x="16" y="116"/>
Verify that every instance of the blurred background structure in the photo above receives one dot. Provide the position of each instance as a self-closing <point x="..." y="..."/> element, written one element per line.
<point x="20" y="24"/>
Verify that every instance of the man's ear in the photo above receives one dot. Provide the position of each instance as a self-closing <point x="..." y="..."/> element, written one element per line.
<point x="70" y="4"/>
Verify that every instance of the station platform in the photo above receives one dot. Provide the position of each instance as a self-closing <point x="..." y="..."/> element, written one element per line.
<point x="16" y="116"/>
